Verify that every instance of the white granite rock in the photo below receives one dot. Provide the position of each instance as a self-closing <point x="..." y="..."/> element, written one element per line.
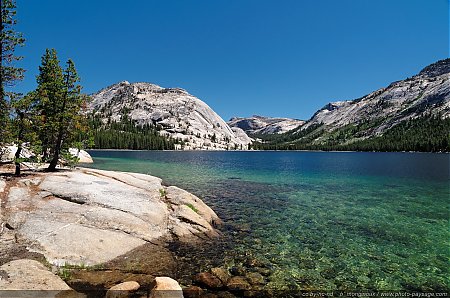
<point x="180" y="114"/>
<point x="89" y="216"/>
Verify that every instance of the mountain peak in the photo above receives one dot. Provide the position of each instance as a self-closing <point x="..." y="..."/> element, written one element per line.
<point x="436" y="69"/>
<point x="175" y="112"/>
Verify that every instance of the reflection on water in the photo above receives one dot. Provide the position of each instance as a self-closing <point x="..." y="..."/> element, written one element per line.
<point x="335" y="221"/>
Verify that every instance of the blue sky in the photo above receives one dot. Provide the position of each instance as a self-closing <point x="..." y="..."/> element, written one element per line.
<point x="242" y="57"/>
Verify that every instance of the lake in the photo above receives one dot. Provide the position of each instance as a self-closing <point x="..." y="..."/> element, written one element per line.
<point x="317" y="220"/>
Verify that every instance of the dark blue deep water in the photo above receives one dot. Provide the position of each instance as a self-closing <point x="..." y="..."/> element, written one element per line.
<point x="322" y="220"/>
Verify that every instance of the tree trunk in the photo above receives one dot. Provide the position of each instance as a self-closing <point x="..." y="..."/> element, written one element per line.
<point x="54" y="161"/>
<point x="2" y="89"/>
<point x="17" y="156"/>
<point x="19" y="142"/>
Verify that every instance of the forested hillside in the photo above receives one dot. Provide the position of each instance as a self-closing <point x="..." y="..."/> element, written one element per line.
<point x="126" y="134"/>
<point x="408" y="115"/>
<point x="426" y="134"/>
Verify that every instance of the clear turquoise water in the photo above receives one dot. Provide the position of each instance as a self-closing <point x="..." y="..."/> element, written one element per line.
<point x="323" y="221"/>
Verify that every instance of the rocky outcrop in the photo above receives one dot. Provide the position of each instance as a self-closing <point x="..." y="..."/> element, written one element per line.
<point x="87" y="216"/>
<point x="177" y="113"/>
<point x="30" y="275"/>
<point x="265" y="125"/>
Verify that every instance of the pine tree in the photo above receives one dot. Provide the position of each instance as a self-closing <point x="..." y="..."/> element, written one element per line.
<point x="9" y="73"/>
<point x="50" y="87"/>
<point x="23" y="126"/>
<point x="60" y="106"/>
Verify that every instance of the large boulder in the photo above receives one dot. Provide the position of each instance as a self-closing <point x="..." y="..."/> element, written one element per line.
<point x="166" y="287"/>
<point x="88" y="217"/>
<point x="122" y="290"/>
<point x="8" y="153"/>
<point x="82" y="155"/>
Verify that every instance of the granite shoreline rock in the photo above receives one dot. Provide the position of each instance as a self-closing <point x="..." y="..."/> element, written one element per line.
<point x="88" y="217"/>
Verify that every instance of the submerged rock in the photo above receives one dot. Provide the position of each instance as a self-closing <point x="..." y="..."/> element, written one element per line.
<point x="238" y="270"/>
<point x="255" y="278"/>
<point x="222" y="274"/>
<point x="193" y="292"/>
<point x="209" y="280"/>
<point x="238" y="283"/>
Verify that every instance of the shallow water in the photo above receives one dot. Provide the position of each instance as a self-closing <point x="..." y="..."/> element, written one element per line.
<point x="322" y="221"/>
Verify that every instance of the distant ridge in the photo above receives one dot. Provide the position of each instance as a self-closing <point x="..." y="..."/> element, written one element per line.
<point x="411" y="114"/>
<point x="265" y="125"/>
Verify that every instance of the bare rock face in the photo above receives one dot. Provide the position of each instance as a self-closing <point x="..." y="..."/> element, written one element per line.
<point x="30" y="275"/>
<point x="87" y="216"/>
<point x="265" y="125"/>
<point x="166" y="287"/>
<point x="427" y="92"/>
<point x="179" y="114"/>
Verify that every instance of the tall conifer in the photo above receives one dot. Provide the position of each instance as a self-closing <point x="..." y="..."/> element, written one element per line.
<point x="60" y="107"/>
<point x="9" y="73"/>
